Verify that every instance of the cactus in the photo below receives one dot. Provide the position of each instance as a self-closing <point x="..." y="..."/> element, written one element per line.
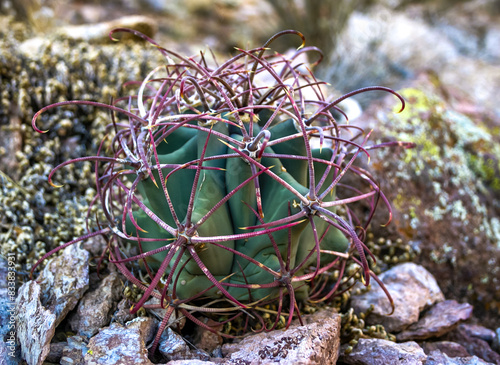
<point x="227" y="184"/>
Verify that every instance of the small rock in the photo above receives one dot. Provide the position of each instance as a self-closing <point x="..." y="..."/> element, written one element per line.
<point x="173" y="347"/>
<point x="437" y="321"/>
<point x="122" y="314"/>
<point x="74" y="351"/>
<point x="35" y="325"/>
<point x="314" y="343"/>
<point x="205" y="339"/>
<point x="117" y="345"/>
<point x="96" y="307"/>
<point x="412" y="288"/>
<point x="383" y="352"/>
<point x="452" y="349"/>
<point x="477" y="331"/>
<point x="64" y="280"/>
<point x="473" y="345"/>
<point x="147" y="326"/>
<point x="56" y="352"/>
<point x="439" y="358"/>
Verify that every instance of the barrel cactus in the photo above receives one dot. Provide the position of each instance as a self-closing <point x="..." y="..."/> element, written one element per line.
<point x="228" y="179"/>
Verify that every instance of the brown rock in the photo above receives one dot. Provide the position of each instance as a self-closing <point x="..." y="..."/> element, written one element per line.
<point x="96" y="307"/>
<point x="383" y="352"/>
<point x="313" y="343"/>
<point x="207" y="340"/>
<point x="412" y="288"/>
<point x="117" y="345"/>
<point x="437" y="321"/>
<point x="35" y="324"/>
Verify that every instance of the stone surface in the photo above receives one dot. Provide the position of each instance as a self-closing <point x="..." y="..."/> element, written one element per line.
<point x="35" y="324"/>
<point x="317" y="342"/>
<point x="117" y="345"/>
<point x="478" y="331"/>
<point x="452" y="349"/>
<point x="74" y="351"/>
<point x="122" y="313"/>
<point x="437" y="321"/>
<point x="56" y="352"/>
<point x="173" y="347"/>
<point x="205" y="339"/>
<point x="383" y="352"/>
<point x="412" y="288"/>
<point x="147" y="326"/>
<point x="97" y="306"/>
<point x="474" y="346"/>
<point x="64" y="280"/>
<point x="439" y="358"/>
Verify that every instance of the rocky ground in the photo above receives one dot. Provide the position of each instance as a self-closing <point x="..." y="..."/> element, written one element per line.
<point x="444" y="58"/>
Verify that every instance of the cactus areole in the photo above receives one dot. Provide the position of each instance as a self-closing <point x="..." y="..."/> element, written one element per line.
<point x="227" y="177"/>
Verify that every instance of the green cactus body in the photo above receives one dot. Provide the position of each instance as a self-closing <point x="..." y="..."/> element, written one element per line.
<point x="235" y="215"/>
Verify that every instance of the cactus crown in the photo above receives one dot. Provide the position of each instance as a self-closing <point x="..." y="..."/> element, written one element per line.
<point x="227" y="178"/>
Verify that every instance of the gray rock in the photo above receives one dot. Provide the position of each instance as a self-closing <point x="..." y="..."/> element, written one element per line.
<point x="478" y="331"/>
<point x="412" y="288"/>
<point x="439" y="358"/>
<point x="317" y="342"/>
<point x="56" y="352"/>
<point x="383" y="352"/>
<point x="117" y="345"/>
<point x="35" y="324"/>
<point x="173" y="347"/>
<point x="64" y="280"/>
<point x="97" y="306"/>
<point x="452" y="349"/>
<point x="437" y="321"/>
